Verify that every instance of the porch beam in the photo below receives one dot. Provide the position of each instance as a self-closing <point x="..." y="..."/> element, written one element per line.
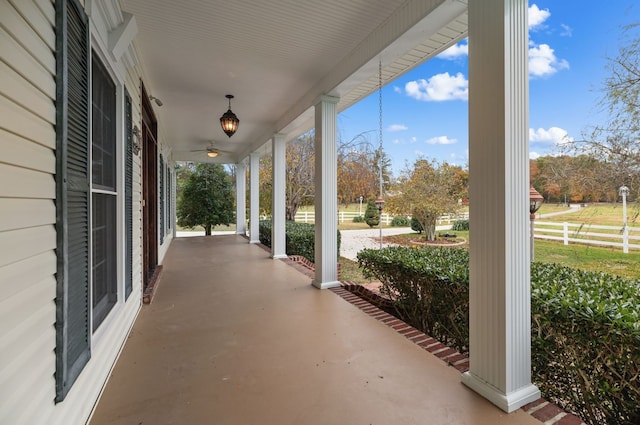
<point x="241" y="198"/>
<point x="500" y="304"/>
<point x="278" y="206"/>
<point x="326" y="199"/>
<point x="254" y="197"/>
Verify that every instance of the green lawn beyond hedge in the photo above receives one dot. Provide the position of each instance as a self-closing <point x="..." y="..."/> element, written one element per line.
<point x="585" y="326"/>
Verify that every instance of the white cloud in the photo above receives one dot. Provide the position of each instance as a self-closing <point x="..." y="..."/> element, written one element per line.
<point x="441" y="140"/>
<point x="397" y="89"/>
<point x="397" y="127"/>
<point x="438" y="88"/>
<point x="534" y="155"/>
<point x="413" y="139"/>
<point x="455" y="51"/>
<point x="567" y="31"/>
<point x="543" y="61"/>
<point x="554" y="135"/>
<point x="396" y="141"/>
<point x="537" y="16"/>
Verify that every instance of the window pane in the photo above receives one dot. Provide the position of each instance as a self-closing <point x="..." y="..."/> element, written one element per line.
<point x="103" y="114"/>
<point x="104" y="256"/>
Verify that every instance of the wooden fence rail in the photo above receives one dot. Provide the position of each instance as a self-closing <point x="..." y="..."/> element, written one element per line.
<point x="591" y="234"/>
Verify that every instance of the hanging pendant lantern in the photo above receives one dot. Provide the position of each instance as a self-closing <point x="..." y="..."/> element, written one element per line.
<point x="229" y="121"/>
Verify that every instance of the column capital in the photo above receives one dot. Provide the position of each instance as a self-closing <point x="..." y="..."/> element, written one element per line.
<point x="326" y="99"/>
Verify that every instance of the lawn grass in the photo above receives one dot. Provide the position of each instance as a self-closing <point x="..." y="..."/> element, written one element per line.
<point x="599" y="214"/>
<point x="585" y="257"/>
<point x="578" y="256"/>
<point x="350" y="272"/>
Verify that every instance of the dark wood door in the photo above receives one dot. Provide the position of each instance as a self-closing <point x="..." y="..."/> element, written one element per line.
<point x="149" y="190"/>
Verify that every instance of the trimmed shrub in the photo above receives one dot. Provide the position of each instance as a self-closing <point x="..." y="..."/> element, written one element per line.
<point x="429" y="288"/>
<point x="358" y="219"/>
<point x="585" y="327"/>
<point x="299" y="238"/>
<point x="460" y="225"/>
<point x="371" y="216"/>
<point x="399" y="221"/>
<point x="416" y="226"/>
<point x="586" y="342"/>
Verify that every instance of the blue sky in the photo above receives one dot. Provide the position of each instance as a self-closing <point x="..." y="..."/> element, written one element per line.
<point x="425" y="111"/>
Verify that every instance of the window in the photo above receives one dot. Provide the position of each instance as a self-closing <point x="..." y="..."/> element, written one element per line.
<point x="104" y="192"/>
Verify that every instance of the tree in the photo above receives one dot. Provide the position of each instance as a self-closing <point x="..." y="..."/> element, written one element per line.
<point x="300" y="175"/>
<point x="617" y="142"/>
<point x="371" y="214"/>
<point x="206" y="198"/>
<point x="426" y="191"/>
<point x="299" y="178"/>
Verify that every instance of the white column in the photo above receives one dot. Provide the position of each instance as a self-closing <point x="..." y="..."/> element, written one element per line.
<point x="326" y="199"/>
<point x="241" y="198"/>
<point x="278" y="200"/>
<point x="254" y="197"/>
<point x="500" y="304"/>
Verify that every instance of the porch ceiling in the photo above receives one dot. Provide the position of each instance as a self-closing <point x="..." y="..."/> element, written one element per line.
<point x="276" y="57"/>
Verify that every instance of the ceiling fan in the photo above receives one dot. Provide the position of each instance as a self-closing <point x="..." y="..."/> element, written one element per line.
<point x="212" y="151"/>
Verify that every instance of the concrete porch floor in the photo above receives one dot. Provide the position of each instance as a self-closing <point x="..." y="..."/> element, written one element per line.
<point x="234" y="337"/>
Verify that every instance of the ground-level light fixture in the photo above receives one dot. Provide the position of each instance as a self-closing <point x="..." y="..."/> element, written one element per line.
<point x="229" y="121"/>
<point x="535" y="202"/>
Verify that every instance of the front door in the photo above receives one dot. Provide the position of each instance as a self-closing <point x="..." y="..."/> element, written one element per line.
<point x="149" y="190"/>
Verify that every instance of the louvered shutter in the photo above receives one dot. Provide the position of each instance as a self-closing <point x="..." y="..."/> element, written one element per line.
<point x="161" y="170"/>
<point x="128" y="198"/>
<point x="73" y="331"/>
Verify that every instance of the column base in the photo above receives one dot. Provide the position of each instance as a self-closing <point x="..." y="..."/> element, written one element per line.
<point x="279" y="256"/>
<point x="254" y="241"/>
<point x="325" y="285"/>
<point x="507" y="402"/>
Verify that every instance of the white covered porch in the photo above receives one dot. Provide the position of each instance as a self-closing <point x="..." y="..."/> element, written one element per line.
<point x="294" y="66"/>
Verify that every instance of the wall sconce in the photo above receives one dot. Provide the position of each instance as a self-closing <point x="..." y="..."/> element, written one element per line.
<point x="136" y="140"/>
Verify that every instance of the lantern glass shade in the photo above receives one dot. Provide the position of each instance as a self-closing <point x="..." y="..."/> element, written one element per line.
<point x="624" y="191"/>
<point x="229" y="121"/>
<point x="535" y="200"/>
<point x="380" y="203"/>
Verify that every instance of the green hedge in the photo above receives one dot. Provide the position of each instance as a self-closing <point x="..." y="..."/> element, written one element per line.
<point x="400" y="221"/>
<point x="299" y="239"/>
<point x="429" y="288"/>
<point x="585" y="325"/>
<point x="460" y="225"/>
<point x="586" y="342"/>
<point x="358" y="219"/>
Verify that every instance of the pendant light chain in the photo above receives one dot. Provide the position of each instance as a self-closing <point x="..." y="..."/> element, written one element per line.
<point x="380" y="122"/>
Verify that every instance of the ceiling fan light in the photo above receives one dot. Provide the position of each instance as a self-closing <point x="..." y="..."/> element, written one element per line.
<point x="212" y="154"/>
<point x="229" y="121"/>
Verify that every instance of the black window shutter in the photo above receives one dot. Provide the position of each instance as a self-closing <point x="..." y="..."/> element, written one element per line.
<point x="128" y="197"/>
<point x="161" y="170"/>
<point x="73" y="331"/>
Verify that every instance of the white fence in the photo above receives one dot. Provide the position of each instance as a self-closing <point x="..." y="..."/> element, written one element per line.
<point x="345" y="216"/>
<point x="584" y="234"/>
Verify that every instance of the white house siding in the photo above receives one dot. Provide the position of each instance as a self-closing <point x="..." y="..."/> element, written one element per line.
<point x="27" y="226"/>
<point x="27" y="210"/>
